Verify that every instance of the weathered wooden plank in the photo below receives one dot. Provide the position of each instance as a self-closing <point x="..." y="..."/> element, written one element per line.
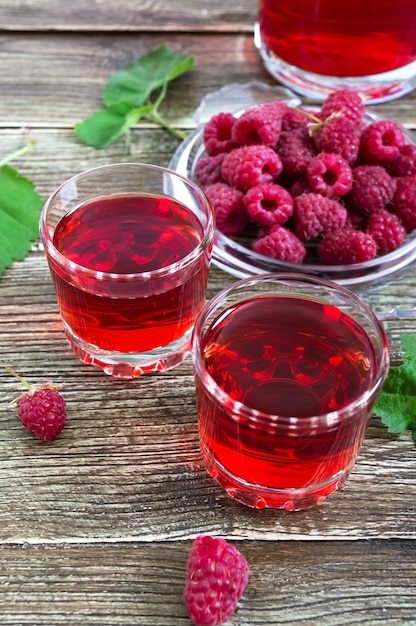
<point x="298" y="583"/>
<point x="127" y="15"/>
<point x="57" y="80"/>
<point x="128" y="463"/>
<point x="54" y="81"/>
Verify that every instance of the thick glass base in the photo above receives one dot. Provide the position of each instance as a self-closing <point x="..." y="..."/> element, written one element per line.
<point x="373" y="89"/>
<point x="130" y="364"/>
<point x="261" y="497"/>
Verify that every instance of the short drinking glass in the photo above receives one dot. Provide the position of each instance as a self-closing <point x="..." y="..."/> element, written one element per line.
<point x="287" y="369"/>
<point x="129" y="248"/>
<point x="317" y="46"/>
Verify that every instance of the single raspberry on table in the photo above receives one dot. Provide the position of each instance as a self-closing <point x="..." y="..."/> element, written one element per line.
<point x="386" y="229"/>
<point x="217" y="134"/>
<point x="268" y="204"/>
<point x="373" y="188"/>
<point x="230" y="212"/>
<point x="381" y="142"/>
<point x="339" y="135"/>
<point x="281" y="244"/>
<point x="404" y="202"/>
<point x="405" y="162"/>
<point x="260" y="124"/>
<point x="329" y="175"/>
<point x="248" y="166"/>
<point x="208" y="169"/>
<point x="42" y="410"/>
<point x="296" y="149"/>
<point x="216" y="577"/>
<point x="317" y="215"/>
<point x="347" y="103"/>
<point x="346" y="246"/>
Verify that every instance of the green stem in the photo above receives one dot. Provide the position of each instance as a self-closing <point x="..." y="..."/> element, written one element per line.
<point x="159" y="120"/>
<point x="22" y="380"/>
<point x="18" y="153"/>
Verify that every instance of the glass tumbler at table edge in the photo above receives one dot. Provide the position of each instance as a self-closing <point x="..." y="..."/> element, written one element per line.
<point x="318" y="46"/>
<point x="287" y="369"/>
<point x="129" y="249"/>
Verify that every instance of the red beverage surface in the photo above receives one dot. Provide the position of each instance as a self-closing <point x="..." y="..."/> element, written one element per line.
<point x="340" y="37"/>
<point x="290" y="357"/>
<point x="124" y="235"/>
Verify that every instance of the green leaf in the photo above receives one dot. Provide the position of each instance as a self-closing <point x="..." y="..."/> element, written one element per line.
<point x="137" y="80"/>
<point x="103" y="127"/>
<point x="20" y="206"/>
<point x="127" y="96"/>
<point x="396" y="404"/>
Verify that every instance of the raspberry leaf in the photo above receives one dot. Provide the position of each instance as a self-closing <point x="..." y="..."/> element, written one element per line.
<point x="138" y="80"/>
<point x="396" y="404"/>
<point x="20" y="206"/>
<point x="105" y="126"/>
<point x="128" y="96"/>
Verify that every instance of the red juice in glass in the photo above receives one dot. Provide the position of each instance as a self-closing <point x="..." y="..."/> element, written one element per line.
<point x="149" y="233"/>
<point x="335" y="38"/>
<point x="129" y="248"/>
<point x="280" y="431"/>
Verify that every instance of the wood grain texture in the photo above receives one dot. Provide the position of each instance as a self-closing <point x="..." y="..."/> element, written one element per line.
<point x="95" y="527"/>
<point x="128" y="462"/>
<point x="128" y="15"/>
<point x="53" y="81"/>
<point x="296" y="583"/>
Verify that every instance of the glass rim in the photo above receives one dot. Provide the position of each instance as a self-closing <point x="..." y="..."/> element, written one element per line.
<point x="60" y="259"/>
<point x="331" y="418"/>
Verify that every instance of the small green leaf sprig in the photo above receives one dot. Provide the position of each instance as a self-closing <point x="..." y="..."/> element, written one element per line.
<point x="20" y="206"/>
<point x="134" y="92"/>
<point x="396" y="404"/>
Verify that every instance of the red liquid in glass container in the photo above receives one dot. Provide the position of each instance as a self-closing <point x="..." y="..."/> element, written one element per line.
<point x="124" y="235"/>
<point x="290" y="357"/>
<point x="339" y="37"/>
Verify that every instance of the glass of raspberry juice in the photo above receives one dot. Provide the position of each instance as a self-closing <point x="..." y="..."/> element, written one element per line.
<point x="129" y="248"/>
<point x="287" y="369"/>
<point x="316" y="46"/>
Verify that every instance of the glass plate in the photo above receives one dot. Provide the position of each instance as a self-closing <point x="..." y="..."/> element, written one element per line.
<point x="239" y="260"/>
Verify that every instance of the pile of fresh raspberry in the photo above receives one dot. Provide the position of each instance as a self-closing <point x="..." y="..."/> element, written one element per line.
<point x="320" y="186"/>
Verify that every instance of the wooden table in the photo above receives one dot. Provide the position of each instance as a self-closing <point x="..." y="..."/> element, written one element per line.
<point x="95" y="527"/>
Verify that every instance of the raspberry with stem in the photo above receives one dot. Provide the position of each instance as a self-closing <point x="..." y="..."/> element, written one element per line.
<point x="42" y="410"/>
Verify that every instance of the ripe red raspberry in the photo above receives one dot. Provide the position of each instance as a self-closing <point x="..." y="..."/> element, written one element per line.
<point x="248" y="166"/>
<point x="208" y="169"/>
<point x="259" y="124"/>
<point x="405" y="162"/>
<point x="294" y="119"/>
<point x="404" y="202"/>
<point x="296" y="149"/>
<point x="280" y="243"/>
<point x="329" y="175"/>
<point x="217" y="134"/>
<point x="346" y="246"/>
<point x="339" y="135"/>
<point x="42" y="411"/>
<point x="381" y="142"/>
<point x="316" y="215"/>
<point x="386" y="230"/>
<point x="372" y="188"/>
<point x="268" y="204"/>
<point x="348" y="103"/>
<point x="299" y="186"/>
<point x="216" y="577"/>
<point x="230" y="213"/>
